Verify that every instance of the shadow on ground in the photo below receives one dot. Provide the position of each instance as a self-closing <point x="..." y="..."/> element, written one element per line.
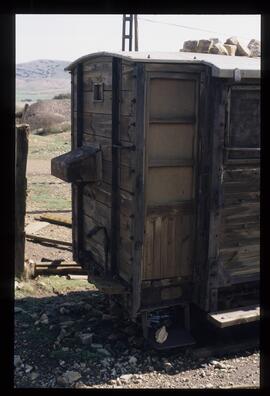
<point x="81" y="331"/>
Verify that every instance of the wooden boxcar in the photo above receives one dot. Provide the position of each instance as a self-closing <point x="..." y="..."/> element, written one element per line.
<point x="164" y="168"/>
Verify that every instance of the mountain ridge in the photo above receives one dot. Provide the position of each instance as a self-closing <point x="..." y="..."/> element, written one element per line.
<point x="42" y="69"/>
<point x="41" y="79"/>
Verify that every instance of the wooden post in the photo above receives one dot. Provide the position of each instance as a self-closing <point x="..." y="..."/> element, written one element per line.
<point x="22" y="132"/>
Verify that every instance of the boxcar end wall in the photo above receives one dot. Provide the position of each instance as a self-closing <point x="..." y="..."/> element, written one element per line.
<point x="175" y="211"/>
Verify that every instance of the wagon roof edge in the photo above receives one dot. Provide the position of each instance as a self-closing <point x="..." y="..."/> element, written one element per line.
<point x="222" y="66"/>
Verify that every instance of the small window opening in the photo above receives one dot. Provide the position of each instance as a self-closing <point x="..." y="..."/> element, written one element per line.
<point x="98" y="92"/>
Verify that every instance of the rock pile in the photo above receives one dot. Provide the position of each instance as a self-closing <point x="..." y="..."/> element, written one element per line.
<point x="232" y="47"/>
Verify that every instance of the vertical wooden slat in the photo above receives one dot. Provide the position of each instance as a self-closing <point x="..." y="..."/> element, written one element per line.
<point x="179" y="235"/>
<point x="186" y="246"/>
<point x="164" y="245"/>
<point x="201" y="236"/>
<point x="115" y="195"/>
<point x="139" y="204"/>
<point x="171" y="242"/>
<point x="77" y="189"/>
<point x="149" y="249"/>
<point x="157" y="248"/>
<point x="22" y="132"/>
<point x="215" y="191"/>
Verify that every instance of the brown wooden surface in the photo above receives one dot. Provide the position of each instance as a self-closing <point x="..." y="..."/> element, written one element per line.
<point x="82" y="164"/>
<point x="239" y="248"/>
<point x="97" y="122"/>
<point x="235" y="316"/>
<point x="139" y="192"/>
<point x="22" y="132"/>
<point x="170" y="151"/>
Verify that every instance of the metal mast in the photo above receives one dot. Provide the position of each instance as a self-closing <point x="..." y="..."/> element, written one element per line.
<point x="127" y="31"/>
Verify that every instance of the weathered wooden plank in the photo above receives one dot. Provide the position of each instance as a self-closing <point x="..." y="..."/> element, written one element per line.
<point x="35" y="226"/>
<point x="100" y="214"/>
<point x="218" y="98"/>
<point x="242" y="219"/>
<point x="171" y="244"/>
<point x="81" y="164"/>
<point x="244" y="186"/>
<point x="100" y="124"/>
<point x="102" y="193"/>
<point x="169" y="185"/>
<point x="165" y="263"/>
<point x="57" y="219"/>
<point x="156" y="264"/>
<point x="148" y="249"/>
<point x="235" y="316"/>
<point x="178" y="98"/>
<point x="139" y="204"/>
<point x="232" y="199"/>
<point x="97" y="251"/>
<point x="244" y="209"/>
<point x="170" y="67"/>
<point x="77" y="130"/>
<point x="240" y="236"/>
<point x="47" y="240"/>
<point x="98" y="72"/>
<point x="105" y="106"/>
<point x="126" y="156"/>
<point x="97" y="62"/>
<point x="21" y="144"/>
<point x="170" y="142"/>
<point x="90" y="223"/>
<point x="128" y="77"/>
<point x="175" y="209"/>
<point x="187" y="238"/>
<point x="127" y="176"/>
<point x="95" y="209"/>
<point x="241" y="175"/>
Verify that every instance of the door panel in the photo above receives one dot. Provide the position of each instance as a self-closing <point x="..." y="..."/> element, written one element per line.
<point x="170" y="141"/>
<point x="168" y="245"/>
<point x="169" y="185"/>
<point x="172" y="98"/>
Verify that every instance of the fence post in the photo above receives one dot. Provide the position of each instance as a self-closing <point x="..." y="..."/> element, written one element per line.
<point x="21" y="147"/>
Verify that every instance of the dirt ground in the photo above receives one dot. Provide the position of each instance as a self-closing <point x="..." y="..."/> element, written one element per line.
<point x="67" y="333"/>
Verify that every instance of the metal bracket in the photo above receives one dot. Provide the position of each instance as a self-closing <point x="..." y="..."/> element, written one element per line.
<point x="127" y="146"/>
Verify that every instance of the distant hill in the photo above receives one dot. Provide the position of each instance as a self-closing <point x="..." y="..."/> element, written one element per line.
<point x="41" y="79"/>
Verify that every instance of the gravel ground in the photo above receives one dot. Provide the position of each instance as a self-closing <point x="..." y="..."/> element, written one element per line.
<point x="66" y="336"/>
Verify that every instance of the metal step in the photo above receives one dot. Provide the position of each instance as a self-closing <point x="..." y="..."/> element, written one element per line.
<point x="177" y="337"/>
<point x="235" y="316"/>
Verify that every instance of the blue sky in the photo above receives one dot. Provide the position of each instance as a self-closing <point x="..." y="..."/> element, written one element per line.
<point x="67" y="37"/>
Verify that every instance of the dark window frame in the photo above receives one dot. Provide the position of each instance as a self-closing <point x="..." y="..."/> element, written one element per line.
<point x="229" y="149"/>
<point x="98" y="95"/>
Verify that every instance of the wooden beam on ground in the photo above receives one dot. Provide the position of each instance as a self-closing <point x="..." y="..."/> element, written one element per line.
<point x="56" y="263"/>
<point x="77" y="277"/>
<point x="235" y="316"/>
<point x="35" y="226"/>
<point x="56" y="219"/>
<point x="21" y="141"/>
<point x="59" y="271"/>
<point x="52" y="241"/>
